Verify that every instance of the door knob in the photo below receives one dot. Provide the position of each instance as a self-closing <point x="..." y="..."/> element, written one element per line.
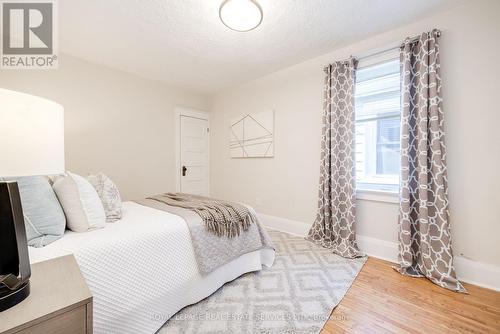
<point x="184" y="170"/>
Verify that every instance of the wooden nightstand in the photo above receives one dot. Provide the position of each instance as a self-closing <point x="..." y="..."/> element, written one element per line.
<point x="60" y="301"/>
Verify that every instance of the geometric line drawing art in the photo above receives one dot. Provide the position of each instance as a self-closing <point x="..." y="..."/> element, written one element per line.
<point x="252" y="135"/>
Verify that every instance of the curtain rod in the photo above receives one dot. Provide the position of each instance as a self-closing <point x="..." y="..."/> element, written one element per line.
<point x="409" y="39"/>
<point x="437" y="32"/>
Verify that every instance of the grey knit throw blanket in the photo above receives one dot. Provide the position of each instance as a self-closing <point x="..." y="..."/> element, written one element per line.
<point x="222" y="218"/>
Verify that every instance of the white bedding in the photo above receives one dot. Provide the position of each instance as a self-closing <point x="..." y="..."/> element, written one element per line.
<point x="142" y="269"/>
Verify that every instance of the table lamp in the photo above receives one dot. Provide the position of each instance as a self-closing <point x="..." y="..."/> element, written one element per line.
<point x="31" y="143"/>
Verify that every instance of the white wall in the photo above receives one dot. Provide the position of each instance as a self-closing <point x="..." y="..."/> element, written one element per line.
<point x="286" y="186"/>
<point x="115" y="122"/>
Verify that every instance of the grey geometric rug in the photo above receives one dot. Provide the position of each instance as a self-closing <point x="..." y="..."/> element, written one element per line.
<point x="296" y="295"/>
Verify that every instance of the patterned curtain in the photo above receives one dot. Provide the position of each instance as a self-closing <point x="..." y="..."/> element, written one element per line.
<point x="424" y="229"/>
<point x="334" y="224"/>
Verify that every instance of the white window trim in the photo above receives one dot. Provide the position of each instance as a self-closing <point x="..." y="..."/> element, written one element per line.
<point x="377" y="196"/>
<point x="377" y="56"/>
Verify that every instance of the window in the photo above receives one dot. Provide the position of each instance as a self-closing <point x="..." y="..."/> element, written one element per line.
<point x="378" y="112"/>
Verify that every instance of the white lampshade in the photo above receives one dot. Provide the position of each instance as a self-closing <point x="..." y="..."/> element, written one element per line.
<point x="31" y="135"/>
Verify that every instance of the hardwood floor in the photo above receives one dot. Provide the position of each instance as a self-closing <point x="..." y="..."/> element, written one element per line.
<point x="383" y="301"/>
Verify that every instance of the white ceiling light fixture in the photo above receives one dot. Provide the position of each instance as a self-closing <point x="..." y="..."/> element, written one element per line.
<point x="240" y="15"/>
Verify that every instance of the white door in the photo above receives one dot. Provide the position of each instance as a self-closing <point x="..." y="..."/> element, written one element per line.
<point x="194" y="155"/>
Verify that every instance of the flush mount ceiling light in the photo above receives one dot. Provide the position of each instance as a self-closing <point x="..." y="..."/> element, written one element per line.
<point x="240" y="15"/>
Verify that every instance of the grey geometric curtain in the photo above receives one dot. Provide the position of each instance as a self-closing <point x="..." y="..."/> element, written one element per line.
<point x="424" y="228"/>
<point x="334" y="224"/>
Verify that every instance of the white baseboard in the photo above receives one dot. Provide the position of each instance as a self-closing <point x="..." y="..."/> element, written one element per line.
<point x="477" y="273"/>
<point x="381" y="249"/>
<point x="469" y="271"/>
<point x="284" y="225"/>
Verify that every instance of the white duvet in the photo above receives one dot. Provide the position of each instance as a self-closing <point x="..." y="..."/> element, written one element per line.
<point x="142" y="269"/>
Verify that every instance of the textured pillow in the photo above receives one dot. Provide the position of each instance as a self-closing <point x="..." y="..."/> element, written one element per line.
<point x="109" y="194"/>
<point x="43" y="216"/>
<point x="80" y="202"/>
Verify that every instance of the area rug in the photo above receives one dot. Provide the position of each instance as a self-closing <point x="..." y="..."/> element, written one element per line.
<point x="296" y="295"/>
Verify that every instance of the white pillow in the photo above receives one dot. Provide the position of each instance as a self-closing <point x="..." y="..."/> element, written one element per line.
<point x="80" y="202"/>
<point x="109" y="194"/>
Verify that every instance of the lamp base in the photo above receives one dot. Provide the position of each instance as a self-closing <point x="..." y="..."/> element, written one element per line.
<point x="9" y="298"/>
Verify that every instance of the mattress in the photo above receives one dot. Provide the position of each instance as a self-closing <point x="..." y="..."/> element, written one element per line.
<point x="142" y="269"/>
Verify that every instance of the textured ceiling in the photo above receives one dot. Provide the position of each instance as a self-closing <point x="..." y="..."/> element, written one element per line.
<point x="183" y="43"/>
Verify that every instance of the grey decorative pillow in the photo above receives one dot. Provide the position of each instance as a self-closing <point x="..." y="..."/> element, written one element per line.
<point x="81" y="203"/>
<point x="109" y="194"/>
<point x="43" y="216"/>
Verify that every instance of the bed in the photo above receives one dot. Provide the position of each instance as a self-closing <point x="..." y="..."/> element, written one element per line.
<point x="142" y="269"/>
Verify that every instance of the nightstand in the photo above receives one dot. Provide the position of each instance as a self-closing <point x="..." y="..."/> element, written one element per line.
<point x="60" y="301"/>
